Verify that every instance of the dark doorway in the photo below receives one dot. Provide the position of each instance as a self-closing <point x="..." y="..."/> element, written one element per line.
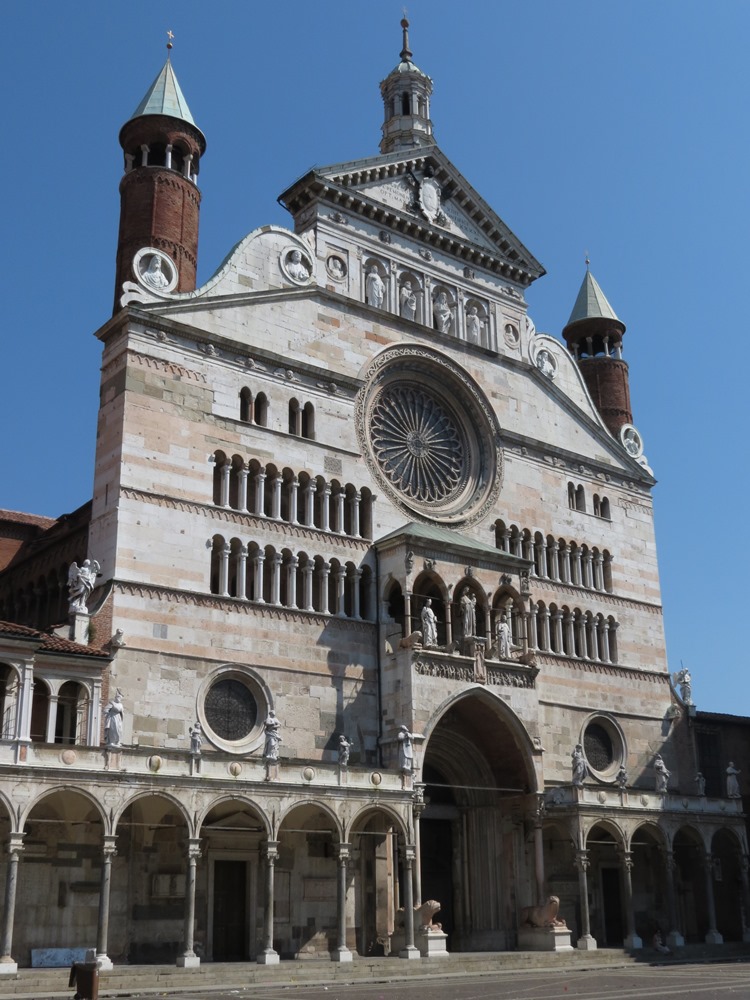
<point x="612" y="905"/>
<point x="437" y="877"/>
<point x="230" y="911"/>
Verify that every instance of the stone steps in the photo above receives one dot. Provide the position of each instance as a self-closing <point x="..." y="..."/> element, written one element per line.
<point x="124" y="980"/>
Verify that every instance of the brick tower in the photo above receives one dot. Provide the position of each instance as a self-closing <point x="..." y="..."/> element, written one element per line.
<point x="594" y="338"/>
<point x="159" y="197"/>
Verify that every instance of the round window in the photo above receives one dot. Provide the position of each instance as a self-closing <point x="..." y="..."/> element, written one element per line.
<point x="429" y="435"/>
<point x="604" y="746"/>
<point x="232" y="704"/>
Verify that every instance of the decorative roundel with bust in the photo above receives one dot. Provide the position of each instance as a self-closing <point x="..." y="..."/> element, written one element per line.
<point x="631" y="440"/>
<point x="429" y="436"/>
<point x="155" y="270"/>
<point x="296" y="265"/>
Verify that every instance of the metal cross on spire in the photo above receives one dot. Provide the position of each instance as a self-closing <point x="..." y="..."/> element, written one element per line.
<point x="170" y="36"/>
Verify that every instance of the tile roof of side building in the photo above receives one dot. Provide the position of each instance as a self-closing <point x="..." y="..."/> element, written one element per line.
<point x="50" y="643"/>
<point x="20" y="517"/>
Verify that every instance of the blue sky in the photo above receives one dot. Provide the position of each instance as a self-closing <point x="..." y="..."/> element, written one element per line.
<point x="614" y="128"/>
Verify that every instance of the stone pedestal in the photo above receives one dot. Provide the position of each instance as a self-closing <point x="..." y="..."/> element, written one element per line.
<point x="544" y="939"/>
<point x="676" y="940"/>
<point x="431" y="944"/>
<point x="105" y="963"/>
<point x="714" y="937"/>
<point x="268" y="958"/>
<point x="8" y="967"/>
<point x="188" y="961"/>
<point x="632" y="942"/>
<point x="341" y="955"/>
<point x="586" y="943"/>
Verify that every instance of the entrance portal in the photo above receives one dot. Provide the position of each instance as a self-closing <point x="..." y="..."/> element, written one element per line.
<point x="230" y="911"/>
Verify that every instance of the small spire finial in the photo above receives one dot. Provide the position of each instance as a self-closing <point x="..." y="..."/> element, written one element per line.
<point x="170" y="36"/>
<point x="406" y="52"/>
<point x="587" y="259"/>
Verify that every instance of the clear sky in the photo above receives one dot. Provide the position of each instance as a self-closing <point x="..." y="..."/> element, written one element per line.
<point x="617" y="129"/>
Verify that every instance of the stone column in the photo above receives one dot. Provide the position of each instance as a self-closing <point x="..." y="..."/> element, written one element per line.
<point x="307" y="585"/>
<point x="587" y="576"/>
<point x="260" y="494"/>
<point x="570" y="639"/>
<point x="339" y="508"/>
<point x="528" y="553"/>
<point x="410" y="951"/>
<point x="276" y="484"/>
<point x="557" y="620"/>
<point x="598" y="571"/>
<point x="448" y="622"/>
<point x="744" y="868"/>
<point x="604" y="637"/>
<point x="242" y="573"/>
<point x="259" y="560"/>
<point x="592" y="638"/>
<point x="355" y="594"/>
<point x="309" y="495"/>
<point x="543" y="568"/>
<point x="506" y="539"/>
<point x="15" y="849"/>
<point x="188" y="959"/>
<point x="293" y="490"/>
<point x="545" y="630"/>
<point x="268" y="956"/>
<point x="553" y="561"/>
<point x="243" y="473"/>
<point x="674" y="938"/>
<point x="539" y="851"/>
<point x="533" y="633"/>
<point x="581" y="626"/>
<point x="341" y="592"/>
<point x="355" y="502"/>
<point x="632" y="941"/>
<point x="325" y="508"/>
<point x="291" y="582"/>
<point x="109" y="851"/>
<point x="277" y="559"/>
<point x="712" y="934"/>
<point x="324" y="572"/>
<point x="418" y="807"/>
<point x="226" y="471"/>
<point x="51" y="718"/>
<point x="407" y="613"/>
<point x="577" y="569"/>
<point x="566" y="564"/>
<point x="342" y="953"/>
<point x="585" y="942"/>
<point x="224" y="570"/>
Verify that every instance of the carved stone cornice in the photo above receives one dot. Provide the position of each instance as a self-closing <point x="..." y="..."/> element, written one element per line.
<point x="538" y="584"/>
<point x="462" y="670"/>
<point x="170" y="595"/>
<point x="597" y="667"/>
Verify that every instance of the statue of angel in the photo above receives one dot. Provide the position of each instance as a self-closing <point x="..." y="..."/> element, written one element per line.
<point x="685" y="682"/>
<point x="81" y="580"/>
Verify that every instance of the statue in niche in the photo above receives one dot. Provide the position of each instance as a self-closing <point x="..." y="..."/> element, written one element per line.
<point x="429" y="624"/>
<point x="405" y="750"/>
<point x="579" y="766"/>
<point x="474" y="326"/>
<point x="468" y="613"/>
<point x="685" y="682"/>
<point x="196" y="738"/>
<point x="273" y="737"/>
<point x="113" y="719"/>
<point x="502" y="638"/>
<point x="154" y="274"/>
<point x="733" y="785"/>
<point x="374" y="288"/>
<point x="344" y="748"/>
<point x="700" y="783"/>
<point x="662" y="775"/>
<point x="297" y="267"/>
<point x="336" y="268"/>
<point x="442" y="313"/>
<point x="480" y="667"/>
<point x="81" y="580"/>
<point x="631" y="441"/>
<point x="546" y="363"/>
<point x="407" y="301"/>
<point x="622" y="777"/>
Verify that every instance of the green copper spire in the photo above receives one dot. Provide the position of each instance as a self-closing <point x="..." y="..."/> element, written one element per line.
<point x="164" y="97"/>
<point x="591" y="302"/>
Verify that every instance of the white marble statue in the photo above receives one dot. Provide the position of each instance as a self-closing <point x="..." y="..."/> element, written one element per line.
<point x="196" y="738"/>
<point x="344" y="749"/>
<point x="407" y="301"/>
<point x="468" y="613"/>
<point x="662" y="775"/>
<point x="578" y="766"/>
<point x="700" y="783"/>
<point x="733" y="785"/>
<point x="442" y="313"/>
<point x="622" y="777"/>
<point x="81" y="580"/>
<point x="685" y="682"/>
<point x="374" y="288"/>
<point x="405" y="750"/>
<point x="502" y="638"/>
<point x="273" y="737"/>
<point x="474" y="326"/>
<point x="297" y="267"/>
<point x="113" y="719"/>
<point x="154" y="274"/>
<point x="429" y="624"/>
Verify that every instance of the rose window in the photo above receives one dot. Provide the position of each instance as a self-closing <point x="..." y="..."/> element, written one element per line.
<point x="417" y="443"/>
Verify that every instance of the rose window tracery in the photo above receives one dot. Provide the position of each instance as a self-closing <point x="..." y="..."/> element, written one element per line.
<point x="417" y="443"/>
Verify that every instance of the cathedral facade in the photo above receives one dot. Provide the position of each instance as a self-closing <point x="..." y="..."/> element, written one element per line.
<point x="365" y="609"/>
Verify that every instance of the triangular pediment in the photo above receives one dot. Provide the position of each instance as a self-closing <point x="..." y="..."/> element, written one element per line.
<point x="420" y="192"/>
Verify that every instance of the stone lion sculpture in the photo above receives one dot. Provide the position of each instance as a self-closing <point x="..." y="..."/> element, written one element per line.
<point x="542" y="916"/>
<point x="423" y="915"/>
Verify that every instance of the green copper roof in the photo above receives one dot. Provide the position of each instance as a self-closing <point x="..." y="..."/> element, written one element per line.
<point x="591" y="302"/>
<point x="164" y="97"/>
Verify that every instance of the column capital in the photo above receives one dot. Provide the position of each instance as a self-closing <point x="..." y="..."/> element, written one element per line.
<point x="581" y="861"/>
<point x="408" y="853"/>
<point x="15" y="843"/>
<point x="109" y="845"/>
<point x="343" y="852"/>
<point x="271" y="851"/>
<point x="195" y="848"/>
